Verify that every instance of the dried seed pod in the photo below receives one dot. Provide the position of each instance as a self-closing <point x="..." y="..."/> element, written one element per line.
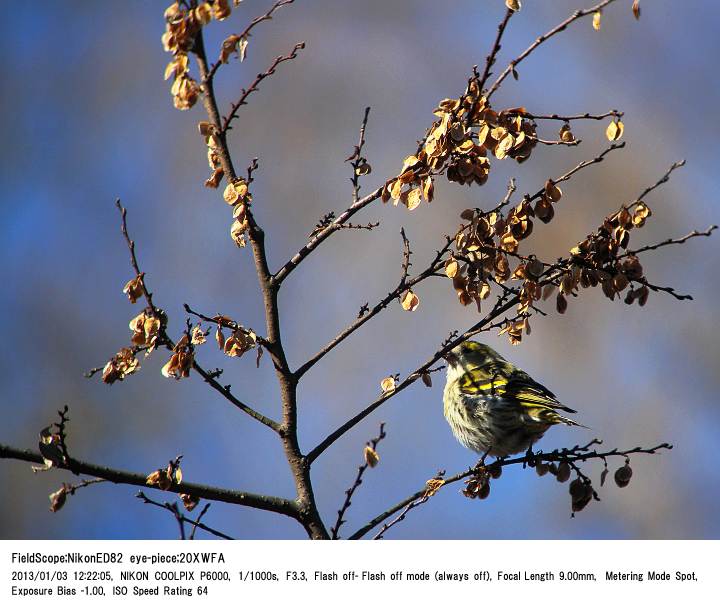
<point x="561" y="304"/>
<point x="563" y="472"/>
<point x="581" y="493"/>
<point x="623" y="475"/>
<point x="576" y="489"/>
<point x="371" y="456"/>
<point x="541" y="469"/>
<point x="495" y="470"/>
<point x="534" y="268"/>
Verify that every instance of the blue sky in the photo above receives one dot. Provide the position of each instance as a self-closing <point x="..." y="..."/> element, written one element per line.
<point x="89" y="119"/>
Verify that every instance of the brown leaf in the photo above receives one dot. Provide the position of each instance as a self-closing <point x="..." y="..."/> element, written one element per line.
<point x="433" y="485"/>
<point x="371" y="456"/>
<point x="363" y="169"/>
<point x="552" y="191"/>
<point x="189" y="501"/>
<point x="451" y="267"/>
<point x="388" y="384"/>
<point x="561" y="304"/>
<point x="57" y="499"/>
<point x="159" y="478"/>
<point x="396" y="189"/>
<point x="566" y="135"/>
<point x="548" y="290"/>
<point x="203" y="13"/>
<point x="615" y="130"/>
<point x="410" y="301"/>
<point x="135" y="288"/>
<point x="409" y="162"/>
<point x="123" y="364"/>
<point x="198" y="336"/>
<point x="221" y="9"/>
<point x="428" y="189"/>
<point x="414" y="197"/>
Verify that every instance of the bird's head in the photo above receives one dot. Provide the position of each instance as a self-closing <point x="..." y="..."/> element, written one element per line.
<point x="471" y="354"/>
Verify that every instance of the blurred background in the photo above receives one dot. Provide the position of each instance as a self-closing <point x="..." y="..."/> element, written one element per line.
<point x="87" y="118"/>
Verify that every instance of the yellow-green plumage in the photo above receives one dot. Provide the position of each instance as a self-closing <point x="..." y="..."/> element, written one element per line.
<point x="494" y="407"/>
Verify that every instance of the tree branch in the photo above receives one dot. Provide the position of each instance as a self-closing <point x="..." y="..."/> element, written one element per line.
<point x="368" y="314"/>
<point x="255" y="85"/>
<point x="335" y="530"/>
<point x="572" y="455"/>
<point x="307" y="507"/>
<point x="246" y="34"/>
<point x="409" y="380"/>
<point x="661" y="181"/>
<point x="319" y="237"/>
<point x="184" y="519"/>
<point x="490" y="60"/>
<point x="578" y="14"/>
<point x="165" y="340"/>
<point x="678" y="241"/>
<point x="269" y="503"/>
<point x="358" y="162"/>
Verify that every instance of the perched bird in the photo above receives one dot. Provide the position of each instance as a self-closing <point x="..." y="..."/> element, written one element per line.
<point x="492" y="406"/>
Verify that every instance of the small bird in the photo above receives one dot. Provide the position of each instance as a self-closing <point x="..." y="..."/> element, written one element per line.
<point x="493" y="407"/>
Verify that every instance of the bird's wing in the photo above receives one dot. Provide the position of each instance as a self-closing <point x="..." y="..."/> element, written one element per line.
<point x="531" y="393"/>
<point x="518" y="389"/>
<point x="483" y="380"/>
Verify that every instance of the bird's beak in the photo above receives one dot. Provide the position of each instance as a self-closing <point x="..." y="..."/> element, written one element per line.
<point x="450" y="358"/>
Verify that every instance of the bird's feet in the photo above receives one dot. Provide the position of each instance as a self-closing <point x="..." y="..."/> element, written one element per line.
<point x="529" y="457"/>
<point x="481" y="464"/>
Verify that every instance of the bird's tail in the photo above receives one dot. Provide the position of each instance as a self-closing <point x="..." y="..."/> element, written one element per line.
<point x="566" y="421"/>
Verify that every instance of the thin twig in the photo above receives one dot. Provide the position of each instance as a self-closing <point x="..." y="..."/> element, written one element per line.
<point x="246" y="34"/>
<point x="578" y="14"/>
<point x="165" y="340"/>
<point x="328" y="219"/>
<point x="179" y="518"/>
<point x="660" y="182"/>
<point x="264" y="502"/>
<point x="409" y="380"/>
<point x="678" y="241"/>
<point x="182" y="518"/>
<point x="133" y="258"/>
<point x="366" y="313"/>
<point x="197" y="523"/>
<point x="566" y="176"/>
<point x="556" y="142"/>
<point x="667" y="290"/>
<point x="571" y="455"/>
<point x="316" y="240"/>
<point x="511" y="187"/>
<point x="335" y="530"/>
<point x="570" y="118"/>
<point x="255" y="85"/>
<point x="356" y="160"/>
<point x="490" y="60"/>
<point x="223" y="390"/>
<point x="413" y="504"/>
<point x="407" y="253"/>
